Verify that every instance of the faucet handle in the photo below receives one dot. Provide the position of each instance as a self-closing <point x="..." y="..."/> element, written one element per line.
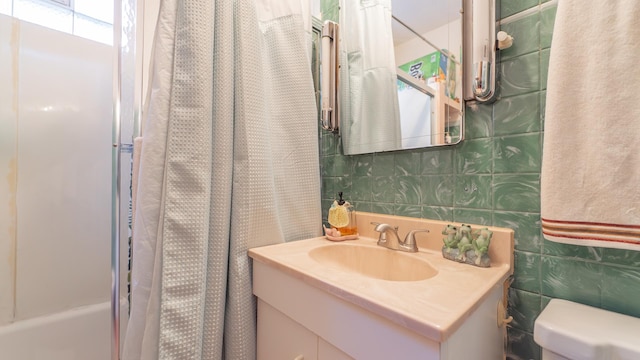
<point x="380" y="227"/>
<point x="410" y="239"/>
<point x="382" y="238"/>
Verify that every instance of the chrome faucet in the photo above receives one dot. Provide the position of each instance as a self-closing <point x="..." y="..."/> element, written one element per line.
<point x="393" y="241"/>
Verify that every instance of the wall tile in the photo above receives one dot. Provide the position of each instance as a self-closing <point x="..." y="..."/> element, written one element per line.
<point x="519" y="75"/>
<point x="524" y="306"/>
<point x="383" y="164"/>
<point x="327" y="191"/>
<point x="621" y="290"/>
<point x="478" y="121"/>
<point x="547" y="19"/>
<point x="437" y="161"/>
<point x="518" y="114"/>
<point x="361" y="188"/>
<point x="521" y="345"/>
<point x="543" y="107"/>
<point x="407" y="163"/>
<point x="342" y="183"/>
<point x="437" y="212"/>
<point x="408" y="210"/>
<point x="363" y="165"/>
<point x="326" y="147"/>
<point x="544" y="68"/>
<point x="342" y="166"/>
<point x="517" y="154"/>
<point x="474" y="156"/>
<point x="568" y="251"/>
<point x="383" y="189"/>
<point x="328" y="143"/>
<point x="528" y="233"/>
<point x="473" y="191"/>
<point x="326" y="205"/>
<point x="437" y="190"/>
<point x="362" y="206"/>
<point x="621" y="257"/>
<point x="408" y="190"/>
<point x="526" y="34"/>
<point x="510" y="7"/>
<point x="383" y="208"/>
<point x="472" y="216"/>
<point x="574" y="280"/>
<point x="517" y="192"/>
<point x="527" y="271"/>
<point x="326" y="165"/>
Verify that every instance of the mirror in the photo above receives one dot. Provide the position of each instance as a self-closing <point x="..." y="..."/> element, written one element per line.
<point x="422" y="103"/>
<point x="427" y="38"/>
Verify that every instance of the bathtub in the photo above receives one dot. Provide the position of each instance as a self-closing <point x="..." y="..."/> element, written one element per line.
<point x="77" y="334"/>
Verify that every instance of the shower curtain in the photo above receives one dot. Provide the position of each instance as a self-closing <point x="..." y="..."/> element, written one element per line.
<point x="370" y="112"/>
<point x="229" y="162"/>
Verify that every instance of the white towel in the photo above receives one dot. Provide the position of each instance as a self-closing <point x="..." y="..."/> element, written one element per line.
<point x="590" y="185"/>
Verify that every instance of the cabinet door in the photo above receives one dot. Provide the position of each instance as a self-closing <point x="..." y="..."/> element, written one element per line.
<point x="280" y="338"/>
<point x="327" y="351"/>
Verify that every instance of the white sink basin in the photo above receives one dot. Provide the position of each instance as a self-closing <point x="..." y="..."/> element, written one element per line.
<point x="374" y="262"/>
<point x="422" y="293"/>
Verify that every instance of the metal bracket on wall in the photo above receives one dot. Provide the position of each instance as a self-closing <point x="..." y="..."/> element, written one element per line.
<point x="330" y="75"/>
<point x="481" y="46"/>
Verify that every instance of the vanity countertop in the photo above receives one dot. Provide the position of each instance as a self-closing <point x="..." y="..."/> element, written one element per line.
<point x="434" y="308"/>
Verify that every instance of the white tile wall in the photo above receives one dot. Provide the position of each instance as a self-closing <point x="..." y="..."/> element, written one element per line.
<point x="64" y="172"/>
<point x="8" y="132"/>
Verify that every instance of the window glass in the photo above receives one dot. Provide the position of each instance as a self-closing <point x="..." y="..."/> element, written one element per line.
<point x="66" y="3"/>
<point x="91" y="19"/>
<point x="44" y="13"/>
<point x="101" y="10"/>
<point x="5" y="7"/>
<point x="93" y="29"/>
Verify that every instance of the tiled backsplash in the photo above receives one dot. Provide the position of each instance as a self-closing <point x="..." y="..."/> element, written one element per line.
<point x="493" y="178"/>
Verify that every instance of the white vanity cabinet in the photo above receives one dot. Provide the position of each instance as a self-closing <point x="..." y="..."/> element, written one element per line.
<point x="298" y="321"/>
<point x="319" y="299"/>
<point x="279" y="338"/>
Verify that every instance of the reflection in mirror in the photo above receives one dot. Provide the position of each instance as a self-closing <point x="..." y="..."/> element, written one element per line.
<point x="401" y="74"/>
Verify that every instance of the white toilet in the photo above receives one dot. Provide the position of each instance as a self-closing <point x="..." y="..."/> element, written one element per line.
<point x="570" y="331"/>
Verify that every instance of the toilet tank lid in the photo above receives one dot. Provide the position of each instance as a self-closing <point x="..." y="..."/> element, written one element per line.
<point x="578" y="331"/>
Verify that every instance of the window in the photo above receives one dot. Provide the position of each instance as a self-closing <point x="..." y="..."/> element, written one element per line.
<point x="91" y="19"/>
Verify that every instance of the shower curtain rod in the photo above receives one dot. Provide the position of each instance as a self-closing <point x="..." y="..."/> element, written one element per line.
<point x="127" y="47"/>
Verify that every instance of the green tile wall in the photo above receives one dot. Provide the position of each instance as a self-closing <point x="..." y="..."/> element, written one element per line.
<point x="493" y="178"/>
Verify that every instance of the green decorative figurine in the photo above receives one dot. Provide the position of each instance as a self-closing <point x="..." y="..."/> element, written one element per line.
<point x="451" y="241"/>
<point x="464" y="245"/>
<point x="481" y="243"/>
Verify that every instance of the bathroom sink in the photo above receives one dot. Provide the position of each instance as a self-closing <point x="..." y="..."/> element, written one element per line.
<point x="374" y="262"/>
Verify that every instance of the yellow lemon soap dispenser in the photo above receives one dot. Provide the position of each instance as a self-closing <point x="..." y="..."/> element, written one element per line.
<point x="342" y="216"/>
